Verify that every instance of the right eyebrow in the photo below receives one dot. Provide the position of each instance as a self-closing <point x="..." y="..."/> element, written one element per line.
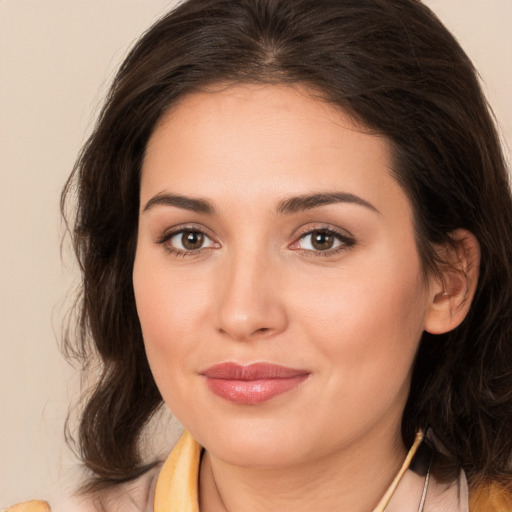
<point x="184" y="202"/>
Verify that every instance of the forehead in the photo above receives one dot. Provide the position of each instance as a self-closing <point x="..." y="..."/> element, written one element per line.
<point x="257" y="114"/>
<point x="261" y="141"/>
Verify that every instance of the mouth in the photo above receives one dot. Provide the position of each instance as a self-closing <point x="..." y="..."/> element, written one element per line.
<point x="252" y="384"/>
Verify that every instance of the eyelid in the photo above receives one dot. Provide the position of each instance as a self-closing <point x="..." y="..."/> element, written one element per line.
<point x="322" y="226"/>
<point x="347" y="239"/>
<point x="180" y="228"/>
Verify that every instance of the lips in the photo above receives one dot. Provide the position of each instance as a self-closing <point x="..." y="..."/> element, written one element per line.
<point x="252" y="384"/>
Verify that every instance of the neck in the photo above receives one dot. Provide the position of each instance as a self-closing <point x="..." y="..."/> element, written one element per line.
<point x="353" y="478"/>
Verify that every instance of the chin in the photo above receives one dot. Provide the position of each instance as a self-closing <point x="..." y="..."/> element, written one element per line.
<point x="263" y="453"/>
<point x="252" y="443"/>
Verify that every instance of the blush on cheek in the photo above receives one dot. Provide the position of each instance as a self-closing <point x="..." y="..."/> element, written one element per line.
<point x="381" y="327"/>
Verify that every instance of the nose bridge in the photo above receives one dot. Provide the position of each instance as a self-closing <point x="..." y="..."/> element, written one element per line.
<point x="249" y="303"/>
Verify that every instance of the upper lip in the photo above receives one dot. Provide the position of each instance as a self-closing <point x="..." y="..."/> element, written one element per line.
<point x="255" y="371"/>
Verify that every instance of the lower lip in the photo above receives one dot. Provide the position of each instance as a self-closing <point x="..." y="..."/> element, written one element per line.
<point x="252" y="392"/>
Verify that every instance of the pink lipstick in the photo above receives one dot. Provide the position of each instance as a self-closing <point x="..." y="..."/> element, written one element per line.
<point x="252" y="384"/>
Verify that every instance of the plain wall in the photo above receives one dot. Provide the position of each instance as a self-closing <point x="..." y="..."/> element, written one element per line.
<point x="56" y="59"/>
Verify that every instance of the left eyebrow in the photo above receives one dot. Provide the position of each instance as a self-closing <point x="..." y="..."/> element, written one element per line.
<point x="308" y="202"/>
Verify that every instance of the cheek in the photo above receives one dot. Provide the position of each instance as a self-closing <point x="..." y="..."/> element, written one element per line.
<point x="367" y="324"/>
<point x="166" y="312"/>
<point x="169" y="301"/>
<point x="164" y="309"/>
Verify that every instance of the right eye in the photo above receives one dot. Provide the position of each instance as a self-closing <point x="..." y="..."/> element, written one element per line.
<point x="187" y="241"/>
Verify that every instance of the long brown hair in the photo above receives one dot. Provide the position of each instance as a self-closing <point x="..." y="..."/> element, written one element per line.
<point x="391" y="65"/>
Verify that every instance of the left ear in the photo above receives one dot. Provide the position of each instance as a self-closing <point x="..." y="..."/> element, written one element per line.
<point x="452" y="290"/>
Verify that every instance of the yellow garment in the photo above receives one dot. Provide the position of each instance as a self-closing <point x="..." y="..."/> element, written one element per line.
<point x="30" y="506"/>
<point x="176" y="487"/>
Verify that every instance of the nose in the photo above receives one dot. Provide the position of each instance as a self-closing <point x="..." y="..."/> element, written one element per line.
<point x="250" y="305"/>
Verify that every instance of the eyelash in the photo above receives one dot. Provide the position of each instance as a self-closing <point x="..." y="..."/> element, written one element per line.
<point x="345" y="241"/>
<point x="181" y="230"/>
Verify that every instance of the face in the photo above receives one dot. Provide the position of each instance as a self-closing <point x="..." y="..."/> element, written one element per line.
<point x="276" y="276"/>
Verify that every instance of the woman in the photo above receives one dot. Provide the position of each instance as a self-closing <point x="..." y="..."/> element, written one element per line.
<point x="294" y="227"/>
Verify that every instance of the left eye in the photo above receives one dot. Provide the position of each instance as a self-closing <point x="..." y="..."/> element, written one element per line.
<point x="190" y="240"/>
<point x="320" y="240"/>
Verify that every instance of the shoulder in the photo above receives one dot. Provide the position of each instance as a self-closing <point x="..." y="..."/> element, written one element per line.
<point x="134" y="496"/>
<point x="491" y="498"/>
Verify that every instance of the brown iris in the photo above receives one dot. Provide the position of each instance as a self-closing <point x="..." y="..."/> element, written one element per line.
<point x="322" y="241"/>
<point x="192" y="240"/>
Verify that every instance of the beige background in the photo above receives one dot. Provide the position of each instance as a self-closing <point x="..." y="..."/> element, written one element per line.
<point x="56" y="59"/>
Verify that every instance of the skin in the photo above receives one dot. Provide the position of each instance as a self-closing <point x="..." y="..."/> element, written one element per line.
<point x="258" y="291"/>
